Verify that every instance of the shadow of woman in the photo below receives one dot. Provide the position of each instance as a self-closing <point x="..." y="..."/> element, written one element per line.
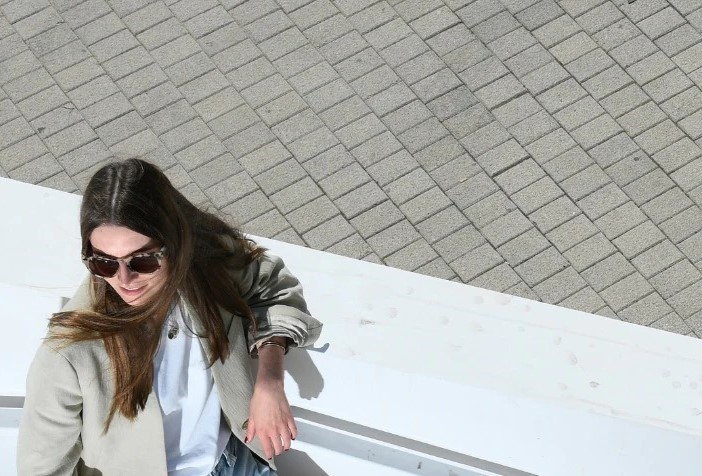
<point x="304" y="372"/>
<point x="294" y="462"/>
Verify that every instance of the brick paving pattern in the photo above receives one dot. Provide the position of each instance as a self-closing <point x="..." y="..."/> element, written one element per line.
<point x="547" y="149"/>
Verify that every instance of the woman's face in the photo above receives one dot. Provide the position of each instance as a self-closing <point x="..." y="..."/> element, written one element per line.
<point x="121" y="242"/>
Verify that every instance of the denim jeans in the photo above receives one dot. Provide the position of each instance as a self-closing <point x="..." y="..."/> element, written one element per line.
<point x="238" y="460"/>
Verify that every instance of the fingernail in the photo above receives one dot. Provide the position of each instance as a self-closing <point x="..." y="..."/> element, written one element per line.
<point x="246" y="440"/>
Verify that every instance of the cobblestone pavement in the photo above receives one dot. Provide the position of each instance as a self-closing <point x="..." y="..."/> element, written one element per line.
<point x="545" y="149"/>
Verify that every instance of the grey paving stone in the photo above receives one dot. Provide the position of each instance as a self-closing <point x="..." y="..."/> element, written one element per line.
<point x="633" y="50"/>
<point x="70" y="138"/>
<point x="624" y="100"/>
<point x="533" y="127"/>
<point x="661" y="23"/>
<point x="215" y="170"/>
<point x="686" y="177"/>
<point x="412" y="256"/>
<point x="585" y="182"/>
<point x="523" y="247"/>
<point x="691" y="125"/>
<point x="688" y="60"/>
<point x="638" y="239"/>
<point x="607" y="82"/>
<point x="26" y="149"/>
<point x="298" y="60"/>
<point x="573" y="47"/>
<point x="541" y="267"/>
<point x="488" y="209"/>
<point x="374" y="220"/>
<point x="666" y="205"/>
<point x="616" y="34"/>
<point x="393" y="238"/>
<point x="675" y="278"/>
<point x="560" y="96"/>
<point x="599" y="17"/>
<point x="483" y="73"/>
<point x="691" y="247"/>
<point x="422" y="135"/>
<point x="608" y="271"/>
<point x="370" y="17"/>
<point x="495" y="27"/>
<point x="683" y="104"/>
<point x="682" y="225"/>
<point x="597" y="131"/>
<point x="327" y="30"/>
<point x="283" y="43"/>
<point x="647" y="310"/>
<point x="560" y="286"/>
<point x="630" y="168"/>
<point x="586" y="300"/>
<point x="106" y="110"/>
<point x="685" y="302"/>
<point x="506" y="228"/>
<point x="590" y="64"/>
<point x="537" y="195"/>
<point x="353" y="247"/>
<point x="544" y="77"/>
<point x="120" y="128"/>
<point x="656" y="259"/>
<point x="295" y="195"/>
<point x="500" y="278"/>
<point x="580" y="112"/>
<point x="92" y="92"/>
<point x="486" y="138"/>
<point x="567" y="164"/>
<point x="556" y="31"/>
<point x="520" y="176"/>
<point x="668" y="85"/>
<point x="475" y="262"/>
<point x="554" y="214"/>
<point x="450" y="39"/>
<point x="60" y="181"/>
<point x="572" y="233"/>
<point x="360" y="199"/>
<point x="613" y="149"/>
<point x="27" y="85"/>
<point x="313" y="214"/>
<point x="625" y="292"/>
<point x="36" y="170"/>
<point x="650" y="68"/>
<point x="539" y="14"/>
<point x="590" y="251"/>
<point x="388" y="34"/>
<point x="454" y="172"/>
<point x="512" y="43"/>
<point x="649" y="186"/>
<point x="437" y="268"/>
<point x="362" y="129"/>
<point x="551" y="145"/>
<point x="502" y="157"/>
<point x="516" y="110"/>
<point x="602" y="200"/>
<point x="672" y="323"/>
<point x="269" y="224"/>
<point x="620" y="220"/>
<point x="679" y="39"/>
<point x="529" y="60"/>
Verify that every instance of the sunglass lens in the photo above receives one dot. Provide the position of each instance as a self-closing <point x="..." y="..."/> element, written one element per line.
<point x="145" y="264"/>
<point x="103" y="267"/>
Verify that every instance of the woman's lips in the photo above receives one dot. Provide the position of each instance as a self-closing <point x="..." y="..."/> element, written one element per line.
<point x="132" y="291"/>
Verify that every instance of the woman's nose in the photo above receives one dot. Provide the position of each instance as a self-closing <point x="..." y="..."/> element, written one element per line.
<point x="124" y="274"/>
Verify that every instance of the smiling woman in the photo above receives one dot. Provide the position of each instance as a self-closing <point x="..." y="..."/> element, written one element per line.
<point x="117" y="389"/>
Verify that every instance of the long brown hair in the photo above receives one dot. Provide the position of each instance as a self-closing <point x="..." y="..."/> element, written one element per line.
<point x="201" y="249"/>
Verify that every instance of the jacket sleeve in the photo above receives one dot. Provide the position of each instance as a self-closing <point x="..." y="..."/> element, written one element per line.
<point x="275" y="297"/>
<point x="49" y="434"/>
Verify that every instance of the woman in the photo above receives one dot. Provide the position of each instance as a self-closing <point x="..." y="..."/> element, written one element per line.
<point x="147" y="369"/>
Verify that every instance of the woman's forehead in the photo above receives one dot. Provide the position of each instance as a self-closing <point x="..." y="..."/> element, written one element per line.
<point x="119" y="241"/>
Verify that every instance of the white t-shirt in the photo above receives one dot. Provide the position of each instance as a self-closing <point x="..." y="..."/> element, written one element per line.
<point x="195" y="433"/>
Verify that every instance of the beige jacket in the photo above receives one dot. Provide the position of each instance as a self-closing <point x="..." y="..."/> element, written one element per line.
<point x="69" y="390"/>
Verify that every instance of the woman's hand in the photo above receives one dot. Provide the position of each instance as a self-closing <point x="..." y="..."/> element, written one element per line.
<point x="270" y="417"/>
